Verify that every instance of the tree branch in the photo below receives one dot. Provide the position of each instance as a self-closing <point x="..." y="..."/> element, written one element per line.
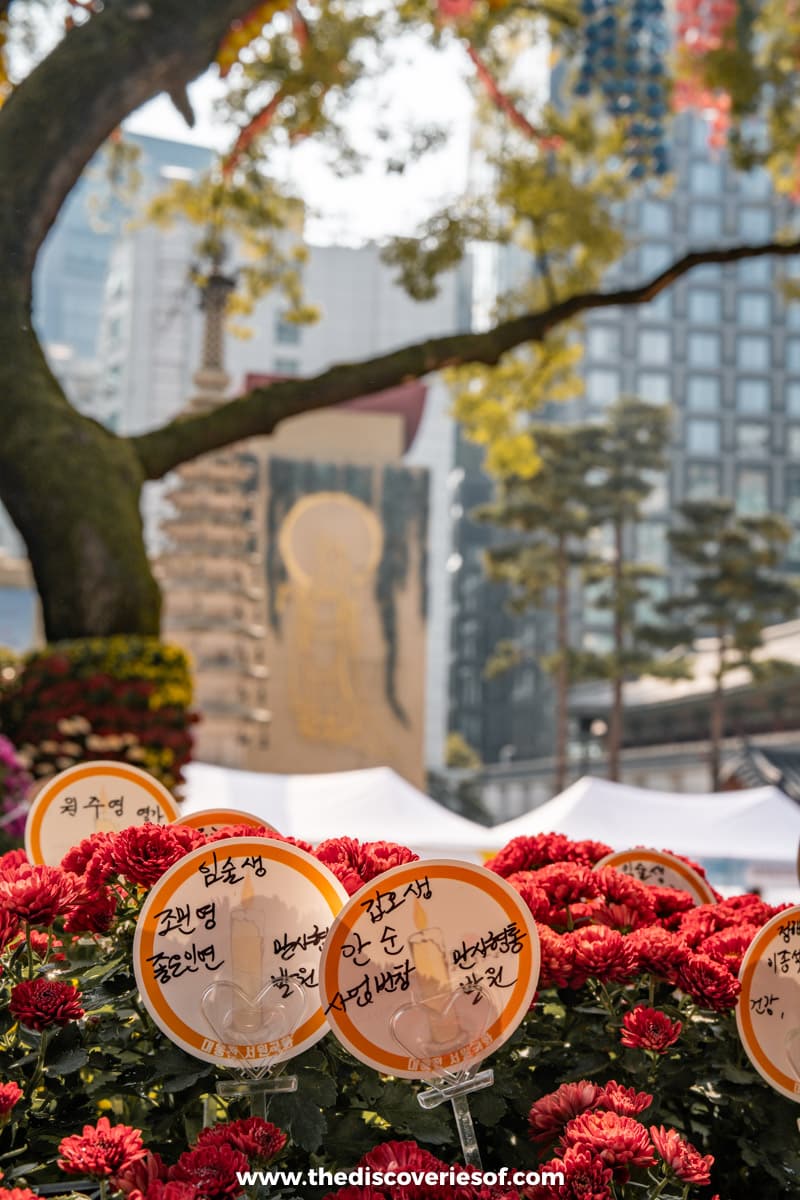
<point x="100" y="72"/>
<point x="259" y="411"/>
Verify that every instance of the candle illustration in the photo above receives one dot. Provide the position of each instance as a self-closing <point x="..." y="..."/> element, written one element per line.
<point x="432" y="985"/>
<point x="247" y="947"/>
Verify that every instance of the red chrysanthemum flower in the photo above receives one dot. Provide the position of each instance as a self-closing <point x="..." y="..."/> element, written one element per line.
<point x="93" y="911"/>
<point x="142" y="853"/>
<point x="78" y="858"/>
<point x="586" y="1177"/>
<point x="728" y="946"/>
<point x="37" y="895"/>
<point x="101" y="1151"/>
<point x="9" y="928"/>
<point x="586" y="851"/>
<point x="710" y="984"/>
<point x="526" y="853"/>
<point x="601" y="953"/>
<point x="658" y="951"/>
<point x="699" y="924"/>
<point x="621" y="889"/>
<point x="670" y="901"/>
<point x="9" y="1096"/>
<point x="11" y="860"/>
<point x="42" y="1003"/>
<point x="549" y="1114"/>
<point x="627" y="1102"/>
<point x="237" y="831"/>
<point x="685" y="1162"/>
<point x="140" y="1175"/>
<point x="749" y="908"/>
<point x="17" y="1194"/>
<point x="174" y="1190"/>
<point x="535" y="898"/>
<point x="567" y="883"/>
<point x="259" y="1140"/>
<point x="557" y="957"/>
<point x="648" y="1029"/>
<point x="619" y="1141"/>
<point x="212" y="1170"/>
<point x="401" y="1156"/>
<point x="355" y="863"/>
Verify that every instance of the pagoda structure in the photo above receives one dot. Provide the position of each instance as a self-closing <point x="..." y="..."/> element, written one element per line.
<point x="210" y="571"/>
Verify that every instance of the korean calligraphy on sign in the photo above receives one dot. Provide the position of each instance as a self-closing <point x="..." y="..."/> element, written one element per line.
<point x="95" y="797"/>
<point x="657" y="868"/>
<point x="429" y="968"/>
<point x="768" y="1010"/>
<point x="227" y="950"/>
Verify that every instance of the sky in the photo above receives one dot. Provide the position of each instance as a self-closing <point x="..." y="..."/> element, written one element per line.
<point x="424" y="86"/>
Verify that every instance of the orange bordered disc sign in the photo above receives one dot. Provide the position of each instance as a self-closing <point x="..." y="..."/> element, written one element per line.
<point x="212" y="819"/>
<point x="92" y="798"/>
<point x="660" y="869"/>
<point x="227" y="951"/>
<point x="429" y="968"/>
<point x="768" y="1009"/>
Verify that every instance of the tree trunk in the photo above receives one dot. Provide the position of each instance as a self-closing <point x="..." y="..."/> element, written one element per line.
<point x="72" y="489"/>
<point x="562" y="674"/>
<point x="616" y="714"/>
<point x="717" y="722"/>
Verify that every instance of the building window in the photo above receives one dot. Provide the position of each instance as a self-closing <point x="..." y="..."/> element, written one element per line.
<point x="702" y="436"/>
<point x="655" y="218"/>
<point x="704" y="349"/>
<point x="752" y="439"/>
<point x="655" y="348"/>
<point x="286" y="366"/>
<point x="755" y="223"/>
<point x="793" y="354"/>
<point x="753" y="308"/>
<point x="791" y="315"/>
<point x="793" y="441"/>
<point x="756" y="183"/>
<point x="705" y="178"/>
<point x="651" y="543"/>
<point x="752" y="396"/>
<point x="654" y="258"/>
<point x="602" y="387"/>
<point x="286" y="332"/>
<point x="754" y="271"/>
<point x="705" y="221"/>
<point x="703" y="391"/>
<point x="752" y="491"/>
<point x="659" y="309"/>
<point x="793" y="399"/>
<point x="705" y="307"/>
<point x="702" y="481"/>
<point x="753" y="352"/>
<point x="602" y="342"/>
<point x="654" y="386"/>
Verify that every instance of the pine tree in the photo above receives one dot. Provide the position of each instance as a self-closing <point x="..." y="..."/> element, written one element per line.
<point x="735" y="589"/>
<point x="627" y="448"/>
<point x="551" y="515"/>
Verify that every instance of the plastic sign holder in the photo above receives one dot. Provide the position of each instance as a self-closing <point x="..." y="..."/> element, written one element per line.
<point x="427" y="971"/>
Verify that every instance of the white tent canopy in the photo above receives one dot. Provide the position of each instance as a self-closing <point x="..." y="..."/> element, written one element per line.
<point x="371" y="805"/>
<point x="758" y="824"/>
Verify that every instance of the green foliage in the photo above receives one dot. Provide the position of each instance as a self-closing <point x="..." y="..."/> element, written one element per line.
<point x="459" y="753"/>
